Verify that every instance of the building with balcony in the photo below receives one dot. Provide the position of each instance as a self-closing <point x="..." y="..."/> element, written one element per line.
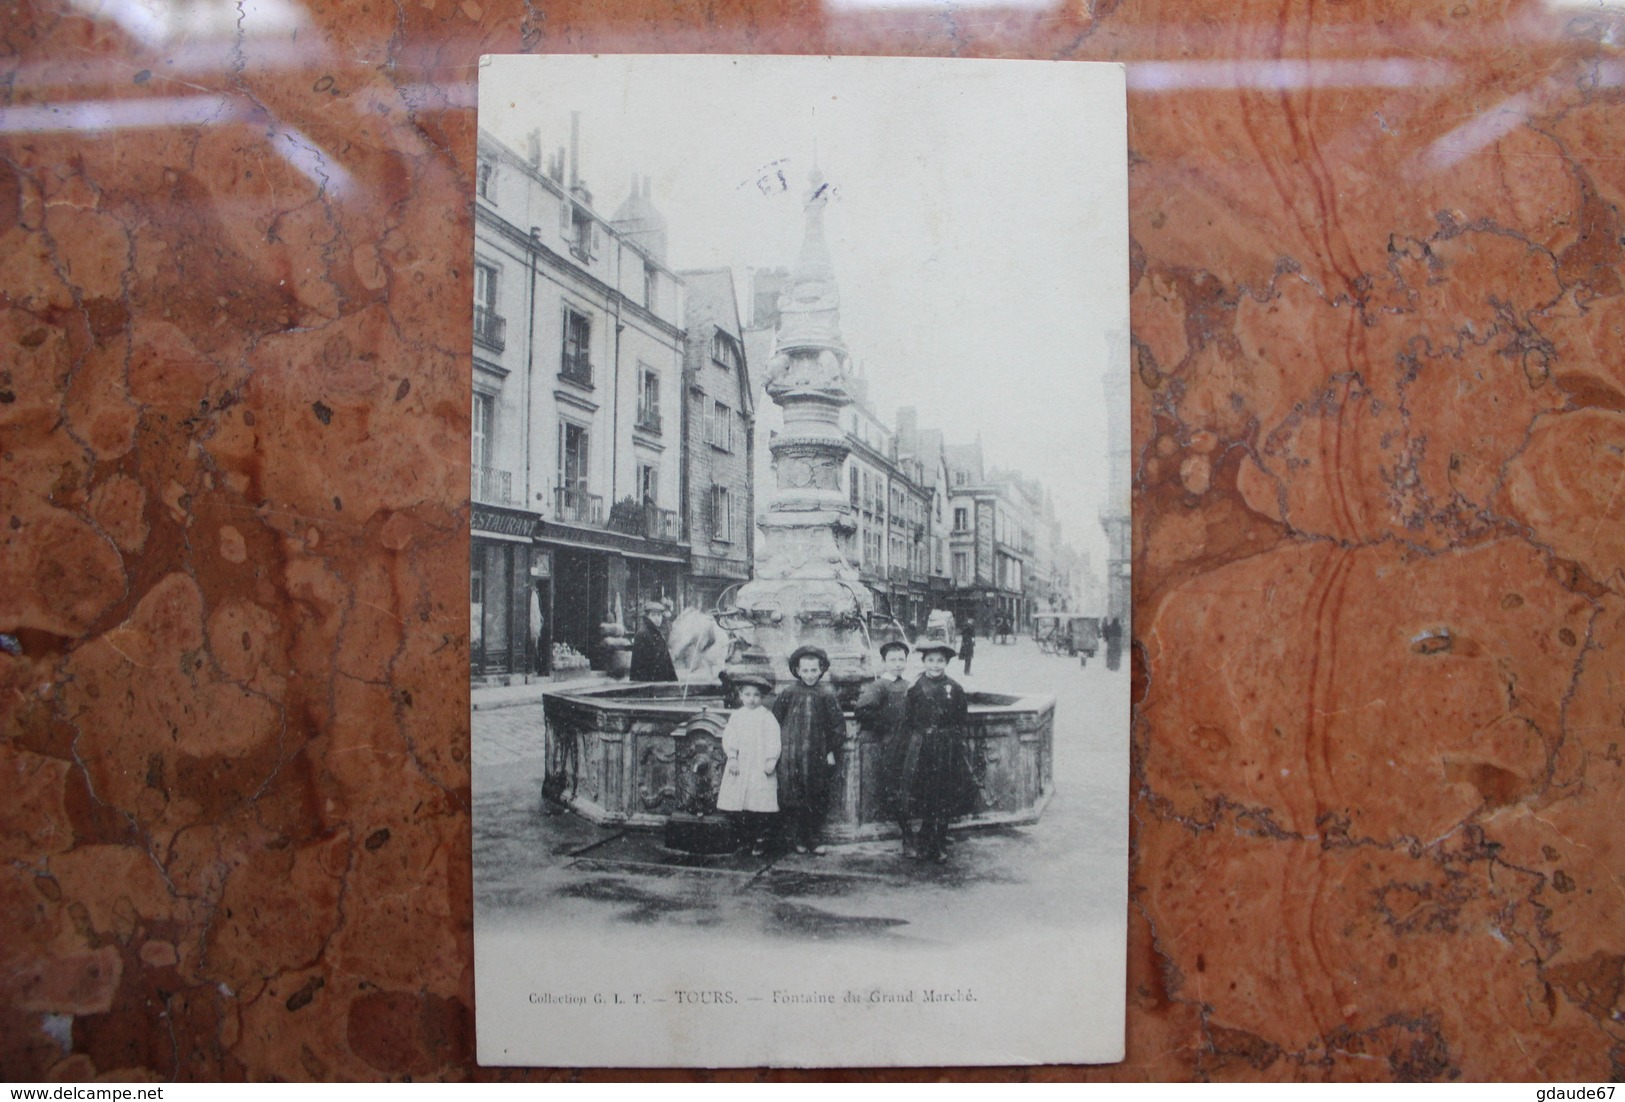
<point x="1022" y="528"/>
<point x="990" y="541"/>
<point x="869" y="483"/>
<point x="577" y="447"/>
<point x="923" y="448"/>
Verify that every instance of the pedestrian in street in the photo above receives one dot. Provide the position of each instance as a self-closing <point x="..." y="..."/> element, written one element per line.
<point x="880" y="712"/>
<point x="925" y="768"/>
<point x="967" y="645"/>
<point x="651" y="661"/>
<point x="544" y="642"/>
<point x="750" y="787"/>
<point x="1113" y="631"/>
<point x="811" y="729"/>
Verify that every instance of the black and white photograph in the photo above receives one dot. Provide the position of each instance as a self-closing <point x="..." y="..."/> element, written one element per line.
<point x="799" y="586"/>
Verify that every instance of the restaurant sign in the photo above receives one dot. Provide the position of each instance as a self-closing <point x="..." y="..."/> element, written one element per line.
<point x="504" y="523"/>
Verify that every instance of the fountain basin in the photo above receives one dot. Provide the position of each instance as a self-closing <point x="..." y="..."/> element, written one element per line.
<point x="635" y="755"/>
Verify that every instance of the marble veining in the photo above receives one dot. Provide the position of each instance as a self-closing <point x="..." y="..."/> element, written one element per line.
<point x="1379" y="439"/>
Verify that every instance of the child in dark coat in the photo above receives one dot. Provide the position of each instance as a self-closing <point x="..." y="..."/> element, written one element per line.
<point x="880" y="713"/>
<point x="926" y="770"/>
<point x="811" y="729"/>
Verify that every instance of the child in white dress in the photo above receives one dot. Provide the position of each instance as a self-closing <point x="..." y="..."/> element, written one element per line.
<point x="750" y="789"/>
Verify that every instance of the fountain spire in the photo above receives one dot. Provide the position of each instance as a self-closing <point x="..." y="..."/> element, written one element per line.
<point x="810" y="304"/>
<point x="803" y="590"/>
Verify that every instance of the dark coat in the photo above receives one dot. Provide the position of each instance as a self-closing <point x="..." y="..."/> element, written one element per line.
<point x="651" y="661"/>
<point x="880" y="706"/>
<point x="811" y="727"/>
<point x="925" y="767"/>
<point x="967" y="642"/>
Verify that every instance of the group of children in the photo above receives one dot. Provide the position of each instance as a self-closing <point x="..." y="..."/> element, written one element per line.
<point x="780" y="761"/>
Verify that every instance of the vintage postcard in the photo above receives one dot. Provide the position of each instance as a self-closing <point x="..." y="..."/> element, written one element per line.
<point x="799" y="599"/>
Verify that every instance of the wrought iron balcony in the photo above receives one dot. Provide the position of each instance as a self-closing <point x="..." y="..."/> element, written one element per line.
<point x="649" y="521"/>
<point x="490" y="328"/>
<point x="662" y="524"/>
<point x="577" y="369"/>
<point x="490" y="486"/>
<point x="577" y="506"/>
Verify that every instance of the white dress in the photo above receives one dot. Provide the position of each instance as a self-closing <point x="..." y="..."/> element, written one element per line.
<point x="751" y="741"/>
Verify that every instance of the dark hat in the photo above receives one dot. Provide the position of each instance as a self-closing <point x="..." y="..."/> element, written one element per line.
<point x="938" y="648"/>
<point x="893" y="644"/>
<point x="748" y="677"/>
<point x="809" y="652"/>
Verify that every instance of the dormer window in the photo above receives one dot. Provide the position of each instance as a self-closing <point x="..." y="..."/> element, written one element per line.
<point x="486" y="174"/>
<point x="581" y="233"/>
<point x="579" y="229"/>
<point x="725" y="351"/>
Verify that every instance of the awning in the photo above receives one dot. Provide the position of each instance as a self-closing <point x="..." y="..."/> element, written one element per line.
<point x="503" y="537"/>
<point x="649" y="554"/>
<point x="602" y="539"/>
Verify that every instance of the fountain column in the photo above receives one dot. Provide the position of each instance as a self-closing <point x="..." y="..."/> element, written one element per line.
<point x="803" y="590"/>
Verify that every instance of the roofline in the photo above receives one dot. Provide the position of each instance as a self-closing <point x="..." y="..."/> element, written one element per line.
<point x="485" y="137"/>
<point x="733" y="299"/>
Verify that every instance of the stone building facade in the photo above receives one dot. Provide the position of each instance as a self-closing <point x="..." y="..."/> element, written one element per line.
<point x="990" y="541"/>
<point x="577" y="448"/>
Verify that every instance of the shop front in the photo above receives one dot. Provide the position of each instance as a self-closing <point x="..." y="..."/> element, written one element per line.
<point x="505" y="607"/>
<point x="987" y="606"/>
<point x="600" y="578"/>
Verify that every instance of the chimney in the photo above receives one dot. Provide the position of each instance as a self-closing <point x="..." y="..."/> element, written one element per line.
<point x="766" y="286"/>
<point x="907" y="423"/>
<point x="575" y="149"/>
<point x="558" y="166"/>
<point x="533" y="149"/>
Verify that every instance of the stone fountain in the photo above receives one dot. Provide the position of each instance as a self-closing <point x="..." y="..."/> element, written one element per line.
<point x="650" y="755"/>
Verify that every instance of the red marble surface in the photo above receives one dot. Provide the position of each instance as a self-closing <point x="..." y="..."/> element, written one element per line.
<point x="1380" y="444"/>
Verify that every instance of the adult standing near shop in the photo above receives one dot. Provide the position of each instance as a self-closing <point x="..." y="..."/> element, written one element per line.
<point x="967" y="645"/>
<point x="651" y="661"/>
<point x="544" y="640"/>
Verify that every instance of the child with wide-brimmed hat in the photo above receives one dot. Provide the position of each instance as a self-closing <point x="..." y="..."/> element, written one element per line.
<point x="811" y="730"/>
<point x="880" y="712"/>
<point x="925" y="769"/>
